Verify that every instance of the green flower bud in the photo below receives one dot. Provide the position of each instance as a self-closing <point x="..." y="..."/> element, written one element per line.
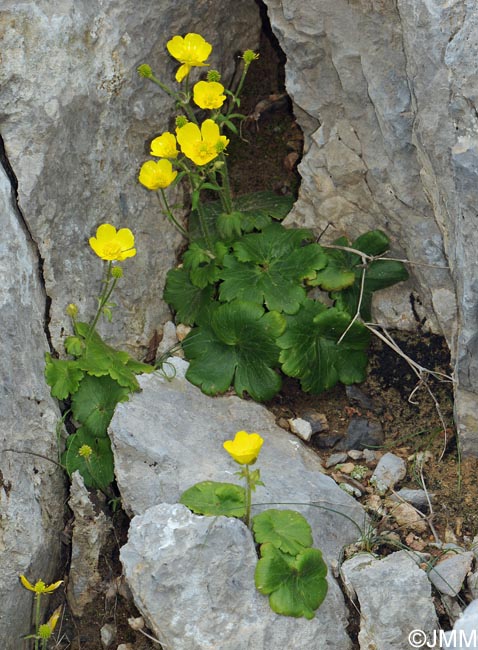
<point x="181" y="121"/>
<point x="249" y="56"/>
<point x="117" y="272"/>
<point x="144" y="70"/>
<point x="44" y="631"/>
<point x="72" y="310"/>
<point x="213" y="75"/>
<point x="85" y="451"/>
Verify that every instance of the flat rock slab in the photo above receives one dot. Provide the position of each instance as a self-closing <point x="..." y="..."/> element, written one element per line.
<point x="193" y="579"/>
<point x="170" y="436"/>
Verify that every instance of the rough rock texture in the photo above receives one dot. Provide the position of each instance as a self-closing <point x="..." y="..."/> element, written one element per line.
<point x="394" y="596"/>
<point x="386" y="95"/>
<point x="31" y="487"/>
<point x="170" y="436"/>
<point x="390" y="470"/>
<point x="464" y="633"/>
<point x="449" y="574"/>
<point x="90" y="531"/>
<point x="193" y="579"/>
<point x="77" y="121"/>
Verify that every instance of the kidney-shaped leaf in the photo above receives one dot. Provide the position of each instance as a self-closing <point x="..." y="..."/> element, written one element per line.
<point x="296" y="586"/>
<point x="235" y="344"/>
<point x="310" y="352"/>
<point x="94" y="402"/>
<point x="214" y="499"/>
<point x="287" y="530"/>
<point x="97" y="468"/>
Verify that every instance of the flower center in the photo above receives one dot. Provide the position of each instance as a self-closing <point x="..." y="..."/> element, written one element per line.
<point x="112" y="249"/>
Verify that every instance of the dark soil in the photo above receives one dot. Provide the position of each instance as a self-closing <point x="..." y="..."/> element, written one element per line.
<point x="267" y="160"/>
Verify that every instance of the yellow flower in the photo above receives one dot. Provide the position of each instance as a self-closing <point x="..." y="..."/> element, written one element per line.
<point x="40" y="587"/>
<point x="191" y="51"/>
<point x="111" y="245"/>
<point x="157" y="174"/>
<point x="209" y="94"/>
<point x="46" y="630"/>
<point x="245" y="447"/>
<point x="164" y="146"/>
<point x="201" y="146"/>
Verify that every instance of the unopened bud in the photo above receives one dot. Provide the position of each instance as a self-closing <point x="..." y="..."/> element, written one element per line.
<point x="117" y="272"/>
<point x="144" y="70"/>
<point x="249" y="56"/>
<point x="181" y="121"/>
<point x="213" y="75"/>
<point x="72" y="310"/>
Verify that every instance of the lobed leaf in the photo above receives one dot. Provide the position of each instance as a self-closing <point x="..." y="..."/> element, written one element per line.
<point x="296" y="586"/>
<point x="94" y="402"/>
<point x="235" y="343"/>
<point x="287" y="530"/>
<point x="310" y="352"/>
<point x="185" y="298"/>
<point x="62" y="376"/>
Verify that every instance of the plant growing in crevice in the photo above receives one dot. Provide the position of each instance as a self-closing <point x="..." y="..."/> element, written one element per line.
<point x="245" y="281"/>
<point x="97" y="376"/>
<point x="290" y="571"/>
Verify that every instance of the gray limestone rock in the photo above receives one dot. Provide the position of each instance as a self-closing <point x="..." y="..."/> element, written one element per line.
<point x="170" y="436"/>
<point x="385" y="93"/>
<point x="465" y="630"/>
<point x="449" y="574"/>
<point x="362" y="433"/>
<point x="90" y="531"/>
<point x="417" y="498"/>
<point x="193" y="579"/>
<point x="77" y="121"/>
<point x="394" y="596"/>
<point x="31" y="486"/>
<point x="390" y="469"/>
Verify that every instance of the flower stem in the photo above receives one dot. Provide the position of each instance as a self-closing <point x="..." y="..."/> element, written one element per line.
<point x="247" y="517"/>
<point x="226" y="186"/>
<point x="37" y="618"/>
<point x="103" y="299"/>
<point x="203" y="225"/>
<point x="167" y="210"/>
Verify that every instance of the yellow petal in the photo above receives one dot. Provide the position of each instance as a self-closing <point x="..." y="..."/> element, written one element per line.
<point x="105" y="232"/>
<point x="182" y="72"/>
<point x="126" y="238"/>
<point x="176" y="47"/>
<point x="188" y="133"/>
<point x="28" y="585"/>
<point x="53" y="586"/>
<point x="210" y="131"/>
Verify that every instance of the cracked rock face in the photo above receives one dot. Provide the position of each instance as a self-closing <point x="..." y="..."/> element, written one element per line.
<point x="386" y="95"/>
<point x="31" y="487"/>
<point x="77" y="121"/>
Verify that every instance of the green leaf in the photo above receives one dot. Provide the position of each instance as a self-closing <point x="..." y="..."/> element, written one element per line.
<point x="204" y="266"/>
<point x="96" y="471"/>
<point x="256" y="210"/>
<point x="344" y="272"/>
<point x="229" y="225"/>
<point x="185" y="298"/>
<point x="295" y="586"/>
<point x="235" y="344"/>
<point x="62" y="376"/>
<point x="287" y="530"/>
<point x="269" y="267"/>
<point x="214" y="499"/>
<point x="74" y="345"/>
<point x="380" y="274"/>
<point x="94" y="402"/>
<point x="309" y="349"/>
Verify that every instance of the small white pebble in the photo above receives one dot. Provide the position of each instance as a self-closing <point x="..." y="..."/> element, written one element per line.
<point x="301" y="427"/>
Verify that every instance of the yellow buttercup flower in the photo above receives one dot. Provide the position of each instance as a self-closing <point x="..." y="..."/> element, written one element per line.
<point x="40" y="587"/>
<point x="245" y="447"/>
<point x="157" y="175"/>
<point x="191" y="51"/>
<point x="201" y="145"/>
<point x="164" y="146"/>
<point x="113" y="245"/>
<point x="209" y="94"/>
